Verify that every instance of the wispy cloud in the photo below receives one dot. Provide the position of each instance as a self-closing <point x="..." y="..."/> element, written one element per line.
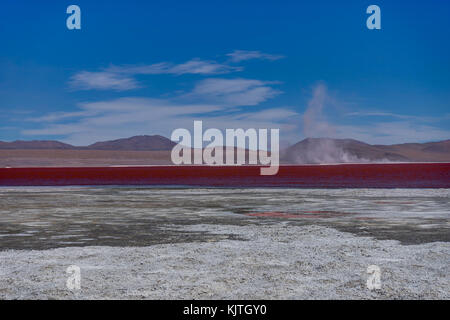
<point x="393" y="116"/>
<point x="392" y="132"/>
<point x="194" y="66"/>
<point x="103" y="80"/>
<point x="121" y="78"/>
<point x="234" y="92"/>
<point x="243" y="55"/>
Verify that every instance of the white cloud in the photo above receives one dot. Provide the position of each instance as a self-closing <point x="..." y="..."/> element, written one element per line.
<point x="396" y="116"/>
<point x="243" y="55"/>
<point x="234" y="92"/>
<point x="276" y="114"/>
<point x="121" y="78"/>
<point x="194" y="66"/>
<point x="197" y="66"/>
<point x="102" y="81"/>
<point x="393" y="132"/>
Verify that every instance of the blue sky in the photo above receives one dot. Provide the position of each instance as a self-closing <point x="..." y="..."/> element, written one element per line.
<point x="148" y="67"/>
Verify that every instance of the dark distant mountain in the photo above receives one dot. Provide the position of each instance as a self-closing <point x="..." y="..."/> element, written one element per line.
<point x="137" y="143"/>
<point x="327" y="150"/>
<point x="36" y="144"/>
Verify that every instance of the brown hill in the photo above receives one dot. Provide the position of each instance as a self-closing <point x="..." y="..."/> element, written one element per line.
<point x="137" y="143"/>
<point x="426" y="152"/>
<point x="36" y="144"/>
<point x="441" y="146"/>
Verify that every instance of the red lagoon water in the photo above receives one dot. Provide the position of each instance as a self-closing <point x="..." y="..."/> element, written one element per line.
<point x="392" y="175"/>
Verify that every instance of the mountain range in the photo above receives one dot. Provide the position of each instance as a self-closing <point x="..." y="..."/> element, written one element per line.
<point x="136" y="143"/>
<point x="155" y="149"/>
<point x="327" y="150"/>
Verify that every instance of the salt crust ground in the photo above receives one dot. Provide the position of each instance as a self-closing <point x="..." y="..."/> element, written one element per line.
<point x="276" y="261"/>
